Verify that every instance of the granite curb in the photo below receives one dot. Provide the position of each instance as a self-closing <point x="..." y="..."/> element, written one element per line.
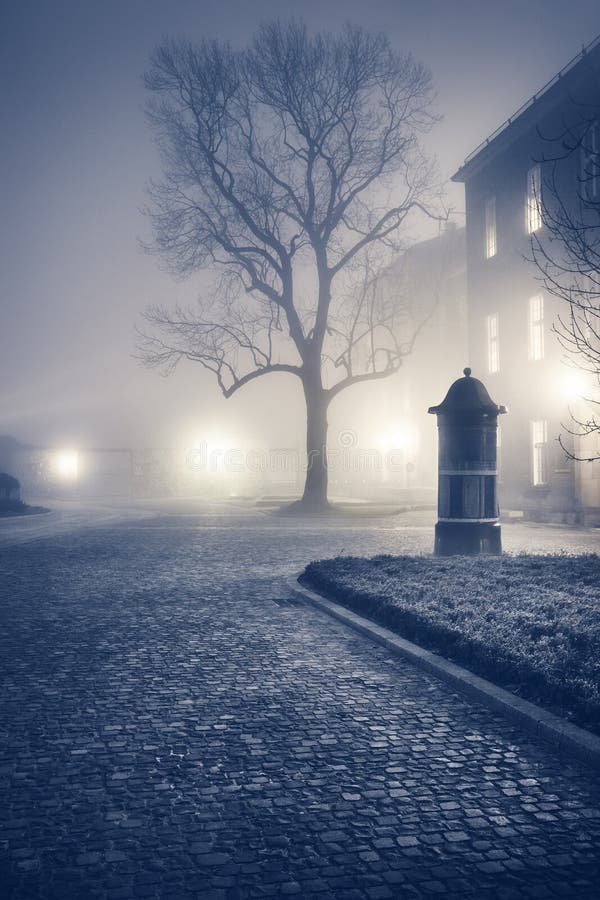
<point x="533" y="719"/>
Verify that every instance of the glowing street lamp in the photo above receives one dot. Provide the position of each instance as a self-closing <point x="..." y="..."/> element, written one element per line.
<point x="66" y="465"/>
<point x="573" y="384"/>
<point x="396" y="447"/>
<point x="399" y="437"/>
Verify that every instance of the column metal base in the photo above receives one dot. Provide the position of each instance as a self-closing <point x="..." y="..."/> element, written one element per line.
<point x="467" y="538"/>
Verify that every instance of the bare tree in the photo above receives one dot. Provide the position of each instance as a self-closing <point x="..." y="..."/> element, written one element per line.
<point x="567" y="254"/>
<point x="290" y="168"/>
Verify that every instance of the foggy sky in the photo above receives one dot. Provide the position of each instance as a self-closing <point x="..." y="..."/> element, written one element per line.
<point x="76" y="152"/>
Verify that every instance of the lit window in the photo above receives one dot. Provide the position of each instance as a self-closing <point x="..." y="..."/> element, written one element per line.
<point x="493" y="347"/>
<point x="490" y="227"/>
<point x="534" y="199"/>
<point x="539" y="451"/>
<point x="536" y="327"/>
<point x="590" y="162"/>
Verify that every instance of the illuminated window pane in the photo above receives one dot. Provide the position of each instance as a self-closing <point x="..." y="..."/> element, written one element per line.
<point x="536" y="327"/>
<point x="493" y="346"/>
<point x="539" y="451"/>
<point x="490" y="227"/>
<point x="534" y="199"/>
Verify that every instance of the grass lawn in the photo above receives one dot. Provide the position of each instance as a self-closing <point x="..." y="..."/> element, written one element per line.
<point x="528" y="623"/>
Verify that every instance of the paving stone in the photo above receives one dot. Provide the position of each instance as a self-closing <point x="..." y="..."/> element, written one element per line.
<point x="169" y="731"/>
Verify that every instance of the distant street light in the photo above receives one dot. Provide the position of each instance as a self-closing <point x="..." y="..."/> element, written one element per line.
<point x="399" y="437"/>
<point x="66" y="464"/>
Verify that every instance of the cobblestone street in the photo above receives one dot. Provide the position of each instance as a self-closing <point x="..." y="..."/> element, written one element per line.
<point x="173" y="724"/>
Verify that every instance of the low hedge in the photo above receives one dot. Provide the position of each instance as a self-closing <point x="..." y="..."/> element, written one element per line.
<point x="528" y="623"/>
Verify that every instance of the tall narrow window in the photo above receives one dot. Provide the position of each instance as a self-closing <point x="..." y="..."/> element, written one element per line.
<point x="490" y="227"/>
<point x="539" y="451"/>
<point x="493" y="347"/>
<point x="534" y="199"/>
<point x="590" y="162"/>
<point x="536" y="327"/>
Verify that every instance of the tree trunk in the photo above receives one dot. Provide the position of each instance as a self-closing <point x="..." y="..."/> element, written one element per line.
<point x="314" y="498"/>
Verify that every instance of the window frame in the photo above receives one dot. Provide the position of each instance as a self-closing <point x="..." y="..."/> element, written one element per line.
<point x="535" y="328"/>
<point x="491" y="231"/>
<point x="533" y="199"/>
<point x="492" y="325"/>
<point x="539" y="452"/>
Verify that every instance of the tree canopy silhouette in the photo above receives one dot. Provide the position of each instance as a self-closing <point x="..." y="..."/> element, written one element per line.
<point x="290" y="169"/>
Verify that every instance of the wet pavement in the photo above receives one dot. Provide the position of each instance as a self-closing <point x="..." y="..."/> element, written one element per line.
<point x="173" y="724"/>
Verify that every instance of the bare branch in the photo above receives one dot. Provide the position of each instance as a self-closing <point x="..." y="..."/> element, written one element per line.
<point x="567" y="252"/>
<point x="287" y="165"/>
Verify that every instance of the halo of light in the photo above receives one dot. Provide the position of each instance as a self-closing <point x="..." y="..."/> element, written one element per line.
<point x="573" y="383"/>
<point x="66" y="464"/>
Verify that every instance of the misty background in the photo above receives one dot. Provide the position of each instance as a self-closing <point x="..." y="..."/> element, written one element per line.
<point x="76" y="153"/>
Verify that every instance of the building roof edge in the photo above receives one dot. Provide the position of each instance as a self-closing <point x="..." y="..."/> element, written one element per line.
<point x="462" y="173"/>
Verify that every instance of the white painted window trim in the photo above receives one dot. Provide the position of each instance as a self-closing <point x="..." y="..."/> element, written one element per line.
<point x="493" y="342"/>
<point x="491" y="236"/>
<point x="539" y="452"/>
<point x="535" y="327"/>
<point x="533" y="204"/>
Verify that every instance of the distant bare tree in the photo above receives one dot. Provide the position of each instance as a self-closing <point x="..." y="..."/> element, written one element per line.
<point x="567" y="253"/>
<point x="290" y="167"/>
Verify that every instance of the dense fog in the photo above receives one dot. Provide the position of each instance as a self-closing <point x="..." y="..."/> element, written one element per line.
<point x="77" y="153"/>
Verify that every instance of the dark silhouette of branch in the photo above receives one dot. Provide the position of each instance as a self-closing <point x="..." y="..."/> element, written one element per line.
<point x="285" y="165"/>
<point x="566" y="252"/>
